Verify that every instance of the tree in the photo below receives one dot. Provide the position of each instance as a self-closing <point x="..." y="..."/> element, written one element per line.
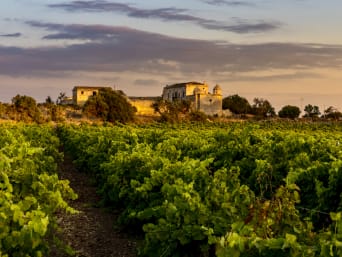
<point x="289" y="111"/>
<point x="332" y="113"/>
<point x="26" y="108"/>
<point x="110" y="105"/>
<point x="311" y="111"/>
<point x="171" y="111"/>
<point x="262" y="108"/>
<point x="48" y="101"/>
<point x="61" y="97"/>
<point x="54" y="111"/>
<point x="236" y="104"/>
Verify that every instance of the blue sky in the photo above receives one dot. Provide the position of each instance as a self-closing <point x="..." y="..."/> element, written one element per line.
<point x="289" y="52"/>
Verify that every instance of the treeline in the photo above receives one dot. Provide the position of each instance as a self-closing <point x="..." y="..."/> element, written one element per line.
<point x="25" y="108"/>
<point x="109" y="105"/>
<point x="262" y="108"/>
<point x="113" y="106"/>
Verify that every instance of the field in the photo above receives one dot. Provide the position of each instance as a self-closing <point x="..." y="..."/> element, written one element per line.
<point x="30" y="191"/>
<point x="233" y="189"/>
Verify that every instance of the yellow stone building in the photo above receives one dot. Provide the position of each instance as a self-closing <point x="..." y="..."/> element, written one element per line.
<point x="81" y="94"/>
<point x="198" y="93"/>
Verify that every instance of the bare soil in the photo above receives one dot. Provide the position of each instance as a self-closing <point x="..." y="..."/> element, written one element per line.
<point x="92" y="232"/>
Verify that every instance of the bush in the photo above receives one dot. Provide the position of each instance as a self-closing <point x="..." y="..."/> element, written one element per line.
<point x="289" y="111"/>
<point x="262" y="108"/>
<point x="198" y="116"/>
<point x="172" y="111"/>
<point x="25" y="109"/>
<point x="236" y="104"/>
<point x="110" y="105"/>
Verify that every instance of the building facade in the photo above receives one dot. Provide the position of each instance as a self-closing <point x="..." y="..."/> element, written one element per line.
<point x="81" y="94"/>
<point x="199" y="95"/>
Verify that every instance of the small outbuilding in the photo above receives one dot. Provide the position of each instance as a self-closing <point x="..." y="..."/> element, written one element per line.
<point x="81" y="94"/>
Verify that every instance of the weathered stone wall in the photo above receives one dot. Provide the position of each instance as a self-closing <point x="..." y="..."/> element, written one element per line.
<point x="191" y="87"/>
<point x="144" y="106"/>
<point x="81" y="95"/>
<point x="210" y="104"/>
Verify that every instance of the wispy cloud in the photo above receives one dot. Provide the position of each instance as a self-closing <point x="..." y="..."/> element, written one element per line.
<point x="78" y="31"/>
<point x="122" y="49"/>
<point x="230" y="3"/>
<point x="146" y="82"/>
<point x="11" y="35"/>
<point x="243" y="27"/>
<point x="170" y="14"/>
<point x="104" y="6"/>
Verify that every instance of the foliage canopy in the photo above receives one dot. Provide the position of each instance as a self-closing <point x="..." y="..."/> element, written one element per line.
<point x="110" y="105"/>
<point x="26" y="108"/>
<point x="289" y="111"/>
<point x="236" y="104"/>
<point x="311" y="111"/>
<point x="262" y="108"/>
<point x="332" y="113"/>
<point x="172" y="111"/>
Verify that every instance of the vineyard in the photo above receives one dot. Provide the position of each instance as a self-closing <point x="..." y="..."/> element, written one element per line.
<point x="236" y="189"/>
<point x="30" y="191"/>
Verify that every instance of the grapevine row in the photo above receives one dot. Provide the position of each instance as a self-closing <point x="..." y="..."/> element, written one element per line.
<point x="30" y="191"/>
<point x="219" y="190"/>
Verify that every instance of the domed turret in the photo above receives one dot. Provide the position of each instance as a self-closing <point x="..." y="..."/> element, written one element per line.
<point x="217" y="90"/>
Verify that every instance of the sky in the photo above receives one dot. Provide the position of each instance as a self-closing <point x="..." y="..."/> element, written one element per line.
<point x="288" y="52"/>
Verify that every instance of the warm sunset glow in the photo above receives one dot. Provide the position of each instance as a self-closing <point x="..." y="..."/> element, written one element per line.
<point x="289" y="52"/>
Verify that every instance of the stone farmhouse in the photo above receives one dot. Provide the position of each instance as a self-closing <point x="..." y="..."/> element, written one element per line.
<point x="198" y="93"/>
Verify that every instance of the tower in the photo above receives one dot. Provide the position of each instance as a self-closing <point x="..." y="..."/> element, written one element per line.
<point x="217" y="90"/>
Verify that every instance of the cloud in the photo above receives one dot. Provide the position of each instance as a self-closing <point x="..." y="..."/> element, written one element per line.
<point x="11" y="35"/>
<point x="115" y="50"/>
<point x="79" y="31"/>
<point x="243" y="27"/>
<point x="293" y="75"/>
<point x="170" y="14"/>
<point x="104" y="6"/>
<point x="146" y="82"/>
<point x="230" y="3"/>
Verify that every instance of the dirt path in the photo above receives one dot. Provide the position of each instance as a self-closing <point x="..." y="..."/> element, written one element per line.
<point x="91" y="233"/>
